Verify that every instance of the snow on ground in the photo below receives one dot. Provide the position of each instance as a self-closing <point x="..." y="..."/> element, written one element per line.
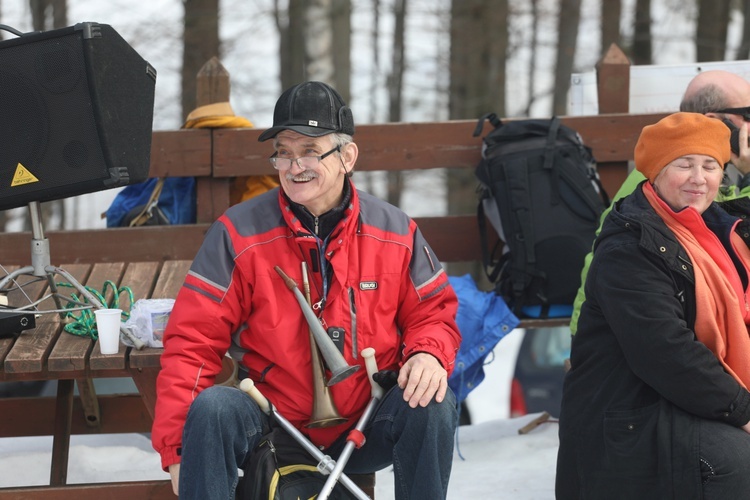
<point x="491" y="461"/>
<point x="497" y="462"/>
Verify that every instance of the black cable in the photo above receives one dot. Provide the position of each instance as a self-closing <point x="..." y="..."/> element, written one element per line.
<point x="10" y="29"/>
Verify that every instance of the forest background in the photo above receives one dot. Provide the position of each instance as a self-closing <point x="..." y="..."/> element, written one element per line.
<point x="392" y="60"/>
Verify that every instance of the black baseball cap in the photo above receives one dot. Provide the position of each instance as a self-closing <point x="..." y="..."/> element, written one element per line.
<point x="310" y="108"/>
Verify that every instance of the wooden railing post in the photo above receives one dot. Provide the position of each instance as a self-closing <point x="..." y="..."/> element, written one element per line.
<point x="212" y="193"/>
<point x="212" y="83"/>
<point x="613" y="89"/>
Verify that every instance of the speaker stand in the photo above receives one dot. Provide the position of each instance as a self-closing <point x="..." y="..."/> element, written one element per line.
<point x="41" y="268"/>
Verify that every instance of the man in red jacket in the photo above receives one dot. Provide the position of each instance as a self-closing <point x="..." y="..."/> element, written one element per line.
<point x="374" y="282"/>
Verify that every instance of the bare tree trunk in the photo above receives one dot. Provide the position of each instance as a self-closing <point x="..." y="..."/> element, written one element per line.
<point x="375" y="78"/>
<point x="611" y="11"/>
<point x="532" y="59"/>
<point x="479" y="42"/>
<point x="743" y="52"/>
<point x="319" y="41"/>
<point x="38" y="17"/>
<point x="291" y="42"/>
<point x="711" y="30"/>
<point x="567" y="38"/>
<point x="59" y="13"/>
<point x="641" y="52"/>
<point x="201" y="43"/>
<point x="395" y="87"/>
<point x="341" y="23"/>
<point x="48" y="14"/>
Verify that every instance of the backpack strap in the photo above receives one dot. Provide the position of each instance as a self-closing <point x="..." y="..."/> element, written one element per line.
<point x="488" y="259"/>
<point x="153" y="200"/>
<point x="492" y="118"/>
<point x="549" y="158"/>
<point x="523" y="229"/>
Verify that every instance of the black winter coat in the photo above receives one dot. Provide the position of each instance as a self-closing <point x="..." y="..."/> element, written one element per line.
<point x="640" y="380"/>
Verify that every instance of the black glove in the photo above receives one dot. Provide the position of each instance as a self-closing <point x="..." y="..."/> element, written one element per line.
<point x="386" y="378"/>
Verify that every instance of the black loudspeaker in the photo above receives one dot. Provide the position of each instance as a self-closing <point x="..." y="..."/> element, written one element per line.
<point x="76" y="113"/>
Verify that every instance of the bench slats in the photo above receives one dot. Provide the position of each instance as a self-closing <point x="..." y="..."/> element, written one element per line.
<point x="70" y="351"/>
<point x="171" y="279"/>
<point x="168" y="285"/>
<point x="139" y="277"/>
<point x="30" y="351"/>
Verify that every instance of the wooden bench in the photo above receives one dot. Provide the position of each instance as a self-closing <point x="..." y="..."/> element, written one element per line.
<point x="48" y="353"/>
<point x="153" y="261"/>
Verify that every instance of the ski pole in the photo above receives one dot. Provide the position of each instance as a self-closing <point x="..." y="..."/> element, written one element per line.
<point x="356" y="438"/>
<point x="325" y="463"/>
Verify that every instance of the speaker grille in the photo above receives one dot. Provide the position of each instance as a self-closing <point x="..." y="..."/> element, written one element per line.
<point x="75" y="112"/>
<point x="20" y="110"/>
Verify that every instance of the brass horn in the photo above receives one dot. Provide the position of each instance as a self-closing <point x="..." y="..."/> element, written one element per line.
<point x="340" y="369"/>
<point x="324" y="412"/>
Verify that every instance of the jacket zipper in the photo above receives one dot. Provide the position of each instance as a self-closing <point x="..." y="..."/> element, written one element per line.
<point x="353" y="312"/>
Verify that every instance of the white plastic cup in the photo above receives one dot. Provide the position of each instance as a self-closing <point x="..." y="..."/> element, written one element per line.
<point x="108" y="326"/>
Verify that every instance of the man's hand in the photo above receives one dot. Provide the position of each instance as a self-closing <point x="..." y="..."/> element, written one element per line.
<point x="174" y="473"/>
<point x="742" y="160"/>
<point x="421" y="378"/>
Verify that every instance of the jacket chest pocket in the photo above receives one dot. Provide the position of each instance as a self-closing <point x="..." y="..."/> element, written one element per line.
<point x="372" y="312"/>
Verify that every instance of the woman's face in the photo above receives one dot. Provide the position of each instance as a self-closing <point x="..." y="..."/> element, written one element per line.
<point x="689" y="181"/>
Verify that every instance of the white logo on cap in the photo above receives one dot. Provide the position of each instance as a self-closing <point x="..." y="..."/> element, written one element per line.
<point x="312" y="123"/>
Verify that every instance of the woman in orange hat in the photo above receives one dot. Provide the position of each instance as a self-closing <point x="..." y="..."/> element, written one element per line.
<point x="656" y="404"/>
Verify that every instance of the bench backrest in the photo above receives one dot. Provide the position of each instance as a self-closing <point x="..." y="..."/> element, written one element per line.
<point x="214" y="157"/>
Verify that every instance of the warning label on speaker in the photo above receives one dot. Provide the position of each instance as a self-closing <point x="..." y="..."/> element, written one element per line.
<point x="22" y="176"/>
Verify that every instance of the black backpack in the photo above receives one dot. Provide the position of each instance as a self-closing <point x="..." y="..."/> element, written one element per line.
<point x="281" y="469"/>
<point x="540" y="189"/>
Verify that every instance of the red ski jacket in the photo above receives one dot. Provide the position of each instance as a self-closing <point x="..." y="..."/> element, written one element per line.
<point x="388" y="291"/>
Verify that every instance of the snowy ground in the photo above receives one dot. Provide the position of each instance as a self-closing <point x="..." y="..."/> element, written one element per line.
<point x="497" y="462"/>
<point x="491" y="461"/>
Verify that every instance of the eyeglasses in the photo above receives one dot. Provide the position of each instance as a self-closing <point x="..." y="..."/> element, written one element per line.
<point x="303" y="162"/>
<point x="743" y="112"/>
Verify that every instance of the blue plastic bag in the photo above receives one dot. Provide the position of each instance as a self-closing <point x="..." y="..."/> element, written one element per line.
<point x="483" y="319"/>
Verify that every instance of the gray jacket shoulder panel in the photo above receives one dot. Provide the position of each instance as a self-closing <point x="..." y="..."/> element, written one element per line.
<point x="424" y="265"/>
<point x="214" y="262"/>
<point x="257" y="215"/>
<point x="378" y="213"/>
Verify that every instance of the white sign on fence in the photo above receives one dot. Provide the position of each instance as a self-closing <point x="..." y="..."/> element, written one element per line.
<point x="653" y="88"/>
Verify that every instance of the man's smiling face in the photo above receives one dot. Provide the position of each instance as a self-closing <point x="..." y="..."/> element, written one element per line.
<point x="319" y="189"/>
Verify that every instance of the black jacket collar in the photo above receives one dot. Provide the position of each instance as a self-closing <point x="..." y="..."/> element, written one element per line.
<point x="327" y="221"/>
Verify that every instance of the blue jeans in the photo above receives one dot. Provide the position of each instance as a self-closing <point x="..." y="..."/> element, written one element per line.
<point x="224" y="425"/>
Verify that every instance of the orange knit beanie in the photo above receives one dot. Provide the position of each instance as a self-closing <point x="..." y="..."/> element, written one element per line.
<point x="678" y="135"/>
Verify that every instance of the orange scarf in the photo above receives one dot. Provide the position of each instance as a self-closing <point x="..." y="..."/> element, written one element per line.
<point x="721" y="305"/>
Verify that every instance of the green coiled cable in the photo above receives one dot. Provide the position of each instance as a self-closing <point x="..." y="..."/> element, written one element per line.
<point x="83" y="321"/>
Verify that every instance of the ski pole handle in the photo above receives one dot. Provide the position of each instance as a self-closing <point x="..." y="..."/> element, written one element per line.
<point x="248" y="387"/>
<point x="371" y="365"/>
